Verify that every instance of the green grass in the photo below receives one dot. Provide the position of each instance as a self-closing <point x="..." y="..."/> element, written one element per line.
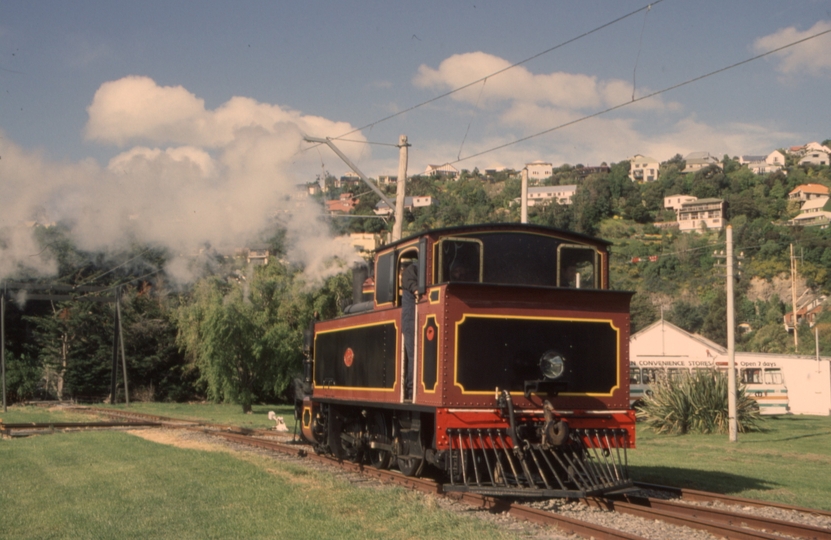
<point x="115" y="485"/>
<point x="215" y="413"/>
<point x="17" y="414"/>
<point x="789" y="461"/>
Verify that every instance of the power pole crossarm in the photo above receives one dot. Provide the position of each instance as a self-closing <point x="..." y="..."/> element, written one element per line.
<point x="352" y="166"/>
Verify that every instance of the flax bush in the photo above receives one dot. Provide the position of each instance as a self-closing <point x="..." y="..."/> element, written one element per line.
<point x="696" y="403"/>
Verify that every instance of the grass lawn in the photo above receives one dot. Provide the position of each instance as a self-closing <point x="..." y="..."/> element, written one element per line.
<point x="116" y="485"/>
<point x="788" y="462"/>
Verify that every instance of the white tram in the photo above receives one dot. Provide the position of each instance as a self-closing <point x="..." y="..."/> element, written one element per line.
<point x="763" y="379"/>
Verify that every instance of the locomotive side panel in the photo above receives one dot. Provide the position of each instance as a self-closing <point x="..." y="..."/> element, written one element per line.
<point x="357" y="357"/>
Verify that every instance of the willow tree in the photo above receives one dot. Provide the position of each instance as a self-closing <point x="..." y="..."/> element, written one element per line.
<point x="246" y="337"/>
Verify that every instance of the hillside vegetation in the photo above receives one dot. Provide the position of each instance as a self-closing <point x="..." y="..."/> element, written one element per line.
<point x="236" y="334"/>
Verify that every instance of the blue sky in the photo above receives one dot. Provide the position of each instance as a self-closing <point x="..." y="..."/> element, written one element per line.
<point x="219" y="94"/>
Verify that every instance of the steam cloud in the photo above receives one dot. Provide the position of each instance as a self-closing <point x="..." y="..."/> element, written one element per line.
<point x="186" y="177"/>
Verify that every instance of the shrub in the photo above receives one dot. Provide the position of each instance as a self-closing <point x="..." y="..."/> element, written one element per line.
<point x="697" y="403"/>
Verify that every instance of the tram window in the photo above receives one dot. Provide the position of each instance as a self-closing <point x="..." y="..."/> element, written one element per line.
<point x="752" y="376"/>
<point x="676" y="374"/>
<point x="773" y="376"/>
<point x="576" y="267"/>
<point x="634" y="375"/>
<point x="385" y="279"/>
<point x="461" y="260"/>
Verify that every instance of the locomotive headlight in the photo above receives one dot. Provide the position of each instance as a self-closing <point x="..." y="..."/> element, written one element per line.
<point x="552" y="364"/>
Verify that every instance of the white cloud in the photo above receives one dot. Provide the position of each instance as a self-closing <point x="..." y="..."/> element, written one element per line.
<point x="811" y="57"/>
<point x="566" y="91"/>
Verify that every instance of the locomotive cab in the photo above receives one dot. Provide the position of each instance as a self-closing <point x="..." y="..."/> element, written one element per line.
<point x="519" y="363"/>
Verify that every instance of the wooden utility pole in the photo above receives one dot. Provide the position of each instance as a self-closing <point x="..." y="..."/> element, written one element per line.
<point x="731" y="343"/>
<point x="400" y="187"/>
<point x="793" y="301"/>
<point x="3" y="346"/>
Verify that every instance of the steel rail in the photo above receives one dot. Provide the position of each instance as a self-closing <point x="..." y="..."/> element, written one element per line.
<point x="721" y="530"/>
<point x="739" y="519"/>
<point x="705" y="496"/>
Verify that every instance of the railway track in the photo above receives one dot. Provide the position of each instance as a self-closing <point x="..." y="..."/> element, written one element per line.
<point x="709" y="512"/>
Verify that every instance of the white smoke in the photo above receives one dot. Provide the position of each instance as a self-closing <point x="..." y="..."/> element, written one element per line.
<point x="186" y="178"/>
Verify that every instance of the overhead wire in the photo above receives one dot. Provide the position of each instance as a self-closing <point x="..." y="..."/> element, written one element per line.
<point x="498" y="72"/>
<point x="642" y="98"/>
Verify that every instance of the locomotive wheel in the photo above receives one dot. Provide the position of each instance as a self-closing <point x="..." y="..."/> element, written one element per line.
<point x="410" y="466"/>
<point x="351" y="443"/>
<point x="379" y="432"/>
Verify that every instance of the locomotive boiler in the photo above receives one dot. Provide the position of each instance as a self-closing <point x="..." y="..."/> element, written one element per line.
<point x="519" y="364"/>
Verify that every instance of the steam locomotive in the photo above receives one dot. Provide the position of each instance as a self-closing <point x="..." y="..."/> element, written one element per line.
<point x="520" y="365"/>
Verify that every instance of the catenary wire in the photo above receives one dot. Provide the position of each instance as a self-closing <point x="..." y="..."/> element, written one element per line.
<point x="636" y="100"/>
<point x="521" y="62"/>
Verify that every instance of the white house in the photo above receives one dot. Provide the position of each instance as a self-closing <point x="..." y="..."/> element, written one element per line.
<point x="815" y="211"/>
<point x="539" y="170"/>
<point x="807" y="380"/>
<point x="806" y="192"/>
<point x="771" y="163"/>
<point x="444" y="171"/>
<point x="700" y="160"/>
<point x="674" y="202"/>
<point x="382" y="209"/>
<point x="816" y="157"/>
<point x="643" y="168"/>
<point x="544" y="194"/>
<point x="701" y="214"/>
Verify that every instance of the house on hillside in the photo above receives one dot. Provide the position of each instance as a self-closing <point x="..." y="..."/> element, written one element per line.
<point x="816" y="157"/>
<point x="387" y="180"/>
<point x="539" y="171"/>
<point x="258" y="255"/>
<point x="816" y="211"/>
<point x="808" y="309"/>
<point x="539" y="195"/>
<point x="700" y="215"/>
<point x="808" y="148"/>
<point x="700" y="160"/>
<point x="382" y="209"/>
<point x="343" y="204"/>
<point x="643" y="168"/>
<point x="446" y="171"/>
<point x="771" y="163"/>
<point x="806" y="192"/>
<point x="674" y="202"/>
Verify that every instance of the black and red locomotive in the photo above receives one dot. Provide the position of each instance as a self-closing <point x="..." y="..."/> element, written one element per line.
<point x="520" y="365"/>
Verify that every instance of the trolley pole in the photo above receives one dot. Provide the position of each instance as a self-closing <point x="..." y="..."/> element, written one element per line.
<point x="731" y="342"/>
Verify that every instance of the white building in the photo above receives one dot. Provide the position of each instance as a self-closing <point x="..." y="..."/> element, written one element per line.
<point x="807" y="380"/>
<point x="816" y="157"/>
<point x="539" y="171"/>
<point x="700" y="215"/>
<point x="674" y="202"/>
<point x="545" y="194"/>
<point x="806" y="192"/>
<point x="699" y="160"/>
<point x="643" y="168"/>
<point x="382" y="209"/>
<point x="443" y="171"/>
<point x="815" y="211"/>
